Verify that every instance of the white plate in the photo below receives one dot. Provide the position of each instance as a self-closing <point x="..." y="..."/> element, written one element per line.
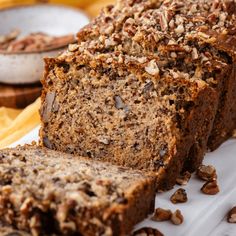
<point x="204" y="215"/>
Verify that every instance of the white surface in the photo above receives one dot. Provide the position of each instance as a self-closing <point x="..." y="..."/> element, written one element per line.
<point x="204" y="215"/>
<point x="54" y="20"/>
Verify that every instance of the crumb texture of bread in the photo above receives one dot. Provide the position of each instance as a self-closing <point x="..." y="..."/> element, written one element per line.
<point x="124" y="115"/>
<point x="46" y="192"/>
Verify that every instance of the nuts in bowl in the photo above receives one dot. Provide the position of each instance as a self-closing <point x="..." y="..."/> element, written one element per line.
<point x="31" y="33"/>
<point x="32" y="43"/>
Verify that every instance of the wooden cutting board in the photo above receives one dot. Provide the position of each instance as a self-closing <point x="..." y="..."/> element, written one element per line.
<point x="19" y="96"/>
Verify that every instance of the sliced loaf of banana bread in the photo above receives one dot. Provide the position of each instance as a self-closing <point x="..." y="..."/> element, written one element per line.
<point x="94" y="102"/>
<point x="46" y="192"/>
<point x="190" y="35"/>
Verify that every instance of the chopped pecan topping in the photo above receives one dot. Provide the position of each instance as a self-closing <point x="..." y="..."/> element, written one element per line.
<point x="177" y="218"/>
<point x="152" y="68"/>
<point x="207" y="173"/>
<point x="180" y="196"/>
<point x="179" y="29"/>
<point x="104" y="140"/>
<point x="73" y="47"/>
<point x="231" y="218"/>
<point x="210" y="188"/>
<point x="161" y="215"/>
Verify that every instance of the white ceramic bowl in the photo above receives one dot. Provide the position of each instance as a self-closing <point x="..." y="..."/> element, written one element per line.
<point x="55" y="20"/>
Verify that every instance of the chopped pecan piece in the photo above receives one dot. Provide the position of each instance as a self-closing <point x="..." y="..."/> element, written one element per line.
<point x="73" y="47"/>
<point x="161" y="215"/>
<point x="234" y="133"/>
<point x="179" y="196"/>
<point x="152" y="68"/>
<point x="210" y="188"/>
<point x="231" y="218"/>
<point x="147" y="231"/>
<point x="207" y="173"/>
<point x="183" y="178"/>
<point x="177" y="218"/>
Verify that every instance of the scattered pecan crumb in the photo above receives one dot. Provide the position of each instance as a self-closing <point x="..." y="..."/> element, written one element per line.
<point x="152" y="68"/>
<point x="177" y="218"/>
<point x="104" y="139"/>
<point x="231" y="218"/>
<point x="73" y="47"/>
<point x="147" y="231"/>
<point x="161" y="215"/>
<point x="179" y="196"/>
<point x="180" y="29"/>
<point x="234" y="133"/>
<point x="210" y="188"/>
<point x="207" y="173"/>
<point x="184" y="178"/>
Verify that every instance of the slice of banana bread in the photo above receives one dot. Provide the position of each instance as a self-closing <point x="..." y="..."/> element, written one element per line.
<point x="130" y="111"/>
<point x="44" y="192"/>
<point x="171" y="29"/>
<point x="225" y="122"/>
<point x="9" y="231"/>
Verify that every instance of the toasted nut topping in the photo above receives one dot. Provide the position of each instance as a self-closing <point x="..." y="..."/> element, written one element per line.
<point x="179" y="196"/>
<point x="184" y="178"/>
<point x="152" y="68"/>
<point x="6" y="190"/>
<point x="210" y="188"/>
<point x="179" y="29"/>
<point x="147" y="231"/>
<point x="207" y="173"/>
<point x="234" y="133"/>
<point x="177" y="218"/>
<point x="104" y="139"/>
<point x="161" y="215"/>
<point x="195" y="54"/>
<point x="232" y="215"/>
<point x="73" y="47"/>
<point x="26" y="205"/>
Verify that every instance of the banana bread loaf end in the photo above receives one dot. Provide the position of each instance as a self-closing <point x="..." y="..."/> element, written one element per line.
<point x="46" y="192"/>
